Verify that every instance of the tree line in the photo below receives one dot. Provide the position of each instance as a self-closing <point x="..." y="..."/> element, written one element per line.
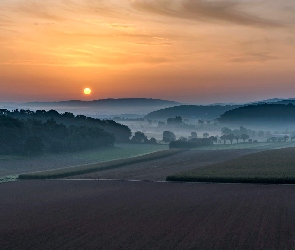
<point x="31" y="133"/>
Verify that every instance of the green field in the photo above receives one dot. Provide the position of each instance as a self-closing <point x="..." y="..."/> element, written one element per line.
<point x="88" y="168"/>
<point x="272" y="166"/>
<point x="120" y="151"/>
<point x="14" y="165"/>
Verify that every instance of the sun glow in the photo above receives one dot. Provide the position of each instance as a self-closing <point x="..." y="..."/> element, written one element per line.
<point x="87" y="91"/>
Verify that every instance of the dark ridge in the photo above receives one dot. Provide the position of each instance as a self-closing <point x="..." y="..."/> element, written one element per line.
<point x="191" y="111"/>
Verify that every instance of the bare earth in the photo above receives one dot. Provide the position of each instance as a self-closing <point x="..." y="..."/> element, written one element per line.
<point x="157" y="170"/>
<point x="68" y="214"/>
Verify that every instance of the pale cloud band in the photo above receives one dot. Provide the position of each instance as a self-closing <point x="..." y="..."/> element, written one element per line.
<point x="201" y="10"/>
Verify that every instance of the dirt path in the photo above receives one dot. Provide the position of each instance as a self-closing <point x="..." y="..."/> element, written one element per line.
<point x="156" y="170"/>
<point x="140" y="215"/>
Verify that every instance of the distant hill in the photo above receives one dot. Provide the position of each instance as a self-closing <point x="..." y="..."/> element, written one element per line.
<point x="268" y="113"/>
<point x="104" y="106"/>
<point x="108" y="102"/>
<point x="191" y="111"/>
<point x="276" y="101"/>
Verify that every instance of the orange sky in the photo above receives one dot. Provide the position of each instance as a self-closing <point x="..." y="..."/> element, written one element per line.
<point x="200" y="51"/>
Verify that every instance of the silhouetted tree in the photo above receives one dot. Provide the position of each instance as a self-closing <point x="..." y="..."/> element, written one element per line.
<point x="205" y="135"/>
<point x="244" y="137"/>
<point x="237" y="138"/>
<point x="201" y="122"/>
<point x="223" y="138"/>
<point x="175" y="121"/>
<point x="139" y="137"/>
<point x="33" y="145"/>
<point x="152" y="141"/>
<point x="226" y="131"/>
<point x="231" y="137"/>
<point x="161" y="124"/>
<point x="168" y="136"/>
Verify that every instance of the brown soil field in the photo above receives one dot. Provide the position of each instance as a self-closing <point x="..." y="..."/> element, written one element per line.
<point x="159" y="169"/>
<point x="67" y="214"/>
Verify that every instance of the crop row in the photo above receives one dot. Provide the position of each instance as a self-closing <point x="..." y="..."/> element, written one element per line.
<point x="272" y="166"/>
<point x="84" y="169"/>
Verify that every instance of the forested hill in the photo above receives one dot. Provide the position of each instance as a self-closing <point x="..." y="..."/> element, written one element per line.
<point x="191" y="111"/>
<point x="121" y="132"/>
<point x="260" y="113"/>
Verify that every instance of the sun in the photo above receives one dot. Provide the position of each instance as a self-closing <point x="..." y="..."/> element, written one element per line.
<point x="87" y="91"/>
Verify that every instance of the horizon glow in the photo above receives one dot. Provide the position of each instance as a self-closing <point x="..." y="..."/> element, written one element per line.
<point x="188" y="51"/>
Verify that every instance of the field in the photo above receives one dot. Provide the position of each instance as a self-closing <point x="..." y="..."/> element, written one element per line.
<point x="158" y="169"/>
<point x="13" y="165"/>
<point x="67" y="214"/>
<point x="272" y="166"/>
<point x="241" y="145"/>
<point x="101" y="166"/>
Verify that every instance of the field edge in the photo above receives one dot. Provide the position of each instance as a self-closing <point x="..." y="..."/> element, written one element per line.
<point x="101" y="166"/>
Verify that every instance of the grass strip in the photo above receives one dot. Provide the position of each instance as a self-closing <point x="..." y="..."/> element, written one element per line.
<point x="8" y="178"/>
<point x="269" y="167"/>
<point x="89" y="168"/>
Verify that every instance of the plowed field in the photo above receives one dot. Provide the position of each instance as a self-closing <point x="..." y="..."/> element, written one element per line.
<point x="159" y="169"/>
<point x="66" y="214"/>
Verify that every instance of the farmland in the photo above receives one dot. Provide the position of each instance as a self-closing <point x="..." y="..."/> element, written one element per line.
<point x="158" y="169"/>
<point x="68" y="214"/>
<point x="272" y="166"/>
<point x="101" y="166"/>
<point x="13" y="165"/>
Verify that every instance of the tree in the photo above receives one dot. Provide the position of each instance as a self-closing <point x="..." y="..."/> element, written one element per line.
<point x="201" y="122"/>
<point x="168" y="136"/>
<point x="231" y="137"/>
<point x="205" y="135"/>
<point x="194" y="135"/>
<point x="260" y="133"/>
<point x="33" y="145"/>
<point x="161" y="124"/>
<point x="213" y="138"/>
<point x="152" y="141"/>
<point x="226" y="131"/>
<point x="175" y="121"/>
<point x="285" y="138"/>
<point x="244" y="137"/>
<point x="223" y="138"/>
<point x="139" y="137"/>
<point x="237" y="138"/>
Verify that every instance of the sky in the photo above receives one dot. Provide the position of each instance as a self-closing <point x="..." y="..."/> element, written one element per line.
<point x="193" y="51"/>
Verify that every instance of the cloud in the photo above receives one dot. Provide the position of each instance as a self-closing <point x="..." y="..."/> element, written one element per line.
<point x="4" y="20"/>
<point x="259" y="57"/>
<point x="225" y="11"/>
<point x="39" y="10"/>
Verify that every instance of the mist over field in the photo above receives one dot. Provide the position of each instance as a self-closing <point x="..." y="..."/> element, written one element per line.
<point x="147" y="124"/>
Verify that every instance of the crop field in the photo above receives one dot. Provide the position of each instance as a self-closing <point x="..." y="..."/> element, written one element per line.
<point x="59" y="214"/>
<point x="101" y="166"/>
<point x="158" y="169"/>
<point x="241" y="145"/>
<point x="14" y="165"/>
<point x="271" y="166"/>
